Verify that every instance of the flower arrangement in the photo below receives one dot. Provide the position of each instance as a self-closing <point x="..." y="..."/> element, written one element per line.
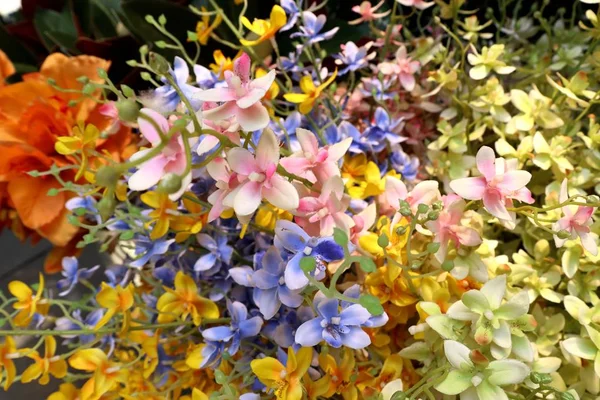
<point x="405" y="217"/>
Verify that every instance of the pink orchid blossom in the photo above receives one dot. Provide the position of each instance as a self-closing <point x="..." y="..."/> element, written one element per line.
<point x="109" y="110"/>
<point x="420" y="4"/>
<point x="228" y="127"/>
<point x="226" y="182"/>
<point x="403" y="66"/>
<point x="172" y="158"/>
<point x="367" y="12"/>
<point x="425" y="192"/>
<point x="576" y="222"/>
<point x="319" y="214"/>
<point x="448" y="227"/>
<point x="500" y="184"/>
<point x="258" y="178"/>
<point x="314" y="163"/>
<point x="363" y="221"/>
<point x="241" y="98"/>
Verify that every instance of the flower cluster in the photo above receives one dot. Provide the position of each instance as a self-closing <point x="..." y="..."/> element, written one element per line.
<point x="405" y="217"/>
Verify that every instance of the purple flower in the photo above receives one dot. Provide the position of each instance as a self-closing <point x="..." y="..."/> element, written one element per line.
<point x="241" y="327"/>
<point x="292" y="238"/>
<point x="210" y="354"/>
<point x="281" y="330"/>
<point x="312" y="26"/>
<point x="374" y="321"/>
<point x="354" y="57"/>
<point x="167" y="96"/>
<point x="270" y="288"/>
<point x="67" y="324"/>
<point x="290" y="124"/>
<point x="403" y="163"/>
<point x="146" y="249"/>
<point x="219" y="252"/>
<point x="117" y="275"/>
<point x="72" y="275"/>
<point x="292" y="11"/>
<point x="335" y="327"/>
<point x="373" y="87"/>
<point x="205" y="78"/>
<point x="382" y="129"/>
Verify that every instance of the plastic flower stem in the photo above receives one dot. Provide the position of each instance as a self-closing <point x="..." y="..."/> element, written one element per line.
<point x="317" y="129"/>
<point x="423" y="380"/>
<point x="178" y="44"/>
<point x="242" y="13"/>
<point x="388" y="32"/>
<point x="283" y="172"/>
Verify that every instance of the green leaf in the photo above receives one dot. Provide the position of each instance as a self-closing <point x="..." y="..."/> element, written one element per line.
<point x="371" y="303"/>
<point x="307" y="264"/>
<point x="127" y="235"/>
<point x="16" y="51"/>
<point x="104" y="18"/>
<point x="367" y="264"/>
<point x="340" y="237"/>
<point x="56" y="29"/>
<point x="52" y="192"/>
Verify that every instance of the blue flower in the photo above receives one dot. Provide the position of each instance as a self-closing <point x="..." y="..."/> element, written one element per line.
<point x="335" y="327"/>
<point x="290" y="124"/>
<point x="211" y="354"/>
<point x="404" y="164"/>
<point x="374" y="321"/>
<point x="166" y="275"/>
<point x="69" y="324"/>
<point x="291" y="9"/>
<point x="81" y="205"/>
<point x="72" y="275"/>
<point x="360" y="142"/>
<point x="146" y="249"/>
<point x="312" y="26"/>
<point x="205" y="78"/>
<point x="373" y="87"/>
<point x="382" y="129"/>
<point x="281" y="330"/>
<point x="353" y="57"/>
<point x="295" y="240"/>
<point x="241" y="327"/>
<point x="117" y="275"/>
<point x="219" y="253"/>
<point x="167" y="95"/>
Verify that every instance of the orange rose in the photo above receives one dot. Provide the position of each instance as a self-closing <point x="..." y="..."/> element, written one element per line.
<point x="32" y="115"/>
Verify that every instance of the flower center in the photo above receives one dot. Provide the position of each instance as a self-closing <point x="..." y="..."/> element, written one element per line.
<point x="256" y="177"/>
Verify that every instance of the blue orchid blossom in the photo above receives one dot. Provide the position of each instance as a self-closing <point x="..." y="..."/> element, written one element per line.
<point x="353" y="57"/>
<point x="167" y="94"/>
<point x="290" y="237"/>
<point x="72" y="275"/>
<point x="383" y="129"/>
<point x="292" y="11"/>
<point x="312" y="27"/>
<point x="146" y="249"/>
<point x="67" y="324"/>
<point x="219" y="253"/>
<point x="379" y="90"/>
<point x="406" y="165"/>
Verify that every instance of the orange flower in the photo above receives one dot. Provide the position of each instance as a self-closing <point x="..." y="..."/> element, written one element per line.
<point x="6" y="68"/>
<point x="32" y="116"/>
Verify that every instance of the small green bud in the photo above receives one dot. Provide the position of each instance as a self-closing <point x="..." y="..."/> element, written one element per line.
<point x="128" y="110"/>
<point x="52" y="192"/>
<point x="433" y="247"/>
<point x="563" y="234"/>
<point x="433" y="215"/>
<point x="51" y="82"/>
<point x="541" y="249"/>
<point x="145" y="75"/>
<point x="401" y="230"/>
<point x="34" y="174"/>
<point x="220" y="377"/>
<point x="161" y="44"/>
<point x="102" y="74"/>
<point x="131" y="63"/>
<point x="72" y="103"/>
<point x="540" y="378"/>
<point x="422" y="208"/>
<point x="566" y="396"/>
<point x="149" y="19"/>
<point x="107" y="176"/>
<point x="307" y="264"/>
<point x="448" y="265"/>
<point x="371" y="303"/>
<point x="437" y="206"/>
<point x="159" y="64"/>
<point x="127" y="91"/>
<point x="162" y="19"/>
<point x="404" y="204"/>
<point x="170" y="183"/>
<point x="399" y="396"/>
<point x="106" y="206"/>
<point x="383" y="241"/>
<point x="83" y="79"/>
<point x="405" y="211"/>
<point x="144" y="50"/>
<point x="88" y="88"/>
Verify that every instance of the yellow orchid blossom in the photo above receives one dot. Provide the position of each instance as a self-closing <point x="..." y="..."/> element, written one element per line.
<point x="27" y="302"/>
<point x="396" y="233"/>
<point x="389" y="285"/>
<point x="117" y="299"/>
<point x="222" y="63"/>
<point x="106" y="374"/>
<point x="340" y="375"/>
<point x="66" y="391"/>
<point x="204" y="28"/>
<point x="45" y="366"/>
<point x="82" y="141"/>
<point x="264" y="29"/>
<point x="183" y="301"/>
<point x="164" y="211"/>
<point x="391" y="370"/>
<point x="310" y="92"/>
<point x="8" y="350"/>
<point x="268" y="215"/>
<point x="284" y="380"/>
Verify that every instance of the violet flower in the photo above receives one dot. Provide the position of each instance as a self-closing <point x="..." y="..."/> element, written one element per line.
<point x="72" y="275"/>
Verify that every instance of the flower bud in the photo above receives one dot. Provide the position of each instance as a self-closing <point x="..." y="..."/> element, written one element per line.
<point x="437" y="206"/>
<point x="540" y="378"/>
<point x="593" y="198"/>
<point x="107" y="176"/>
<point x="220" y="377"/>
<point x="170" y="183"/>
<point x="448" y="265"/>
<point x="563" y="234"/>
<point x="383" y="241"/>
<point x="541" y="249"/>
<point x="433" y="215"/>
<point x="422" y="208"/>
<point x="433" y="247"/>
<point x="159" y="64"/>
<point x="399" y="396"/>
<point x="128" y="110"/>
<point x="106" y="207"/>
<point x="566" y="396"/>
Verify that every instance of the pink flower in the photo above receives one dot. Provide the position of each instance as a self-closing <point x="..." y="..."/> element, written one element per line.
<point x="314" y="163"/>
<point x="576" y="222"/>
<point x="448" y="227"/>
<point x="500" y="184"/>
<point x="363" y="221"/>
<point x="367" y="12"/>
<point x="403" y="66"/>
<point x="226" y="182"/>
<point x="172" y="158"/>
<point x="228" y="127"/>
<point x="420" y="4"/>
<point x="319" y="214"/>
<point x="241" y="97"/>
<point x="109" y="110"/>
<point x="425" y="192"/>
<point x="258" y="178"/>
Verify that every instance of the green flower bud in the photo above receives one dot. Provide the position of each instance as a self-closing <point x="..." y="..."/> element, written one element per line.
<point x="405" y="211"/>
<point x="128" y="110"/>
<point x="108" y="176"/>
<point x="170" y="183"/>
<point x="448" y="265"/>
<point x="159" y="64"/>
<point x="106" y="207"/>
<point x="433" y="247"/>
<point x="540" y="378"/>
<point x="422" y="208"/>
<point x="563" y="234"/>
<point x="437" y="206"/>
<point x="399" y="396"/>
<point x="220" y="377"/>
<point x="433" y="215"/>
<point x="383" y="241"/>
<point x="566" y="396"/>
<point x="541" y="249"/>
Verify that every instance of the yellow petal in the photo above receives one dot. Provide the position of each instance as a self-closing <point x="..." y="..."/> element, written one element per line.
<point x="303" y="358"/>
<point x="296" y="98"/>
<point x="185" y="284"/>
<point x="307" y="85"/>
<point x="198" y="395"/>
<point x="31" y="373"/>
<point x="306" y="106"/>
<point x="328" y="81"/>
<point x="20" y="290"/>
<point x="268" y="370"/>
<point x="278" y="18"/>
<point x="107" y="297"/>
<point x="87" y="359"/>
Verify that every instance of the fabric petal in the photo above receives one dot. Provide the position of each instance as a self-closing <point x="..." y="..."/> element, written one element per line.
<point x="310" y="333"/>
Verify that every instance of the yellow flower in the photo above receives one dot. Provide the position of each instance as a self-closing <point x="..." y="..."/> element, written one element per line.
<point x="284" y="380"/>
<point x="265" y="29"/>
<point x="397" y="233"/>
<point x="8" y="351"/>
<point x="310" y="92"/>
<point x="268" y="215"/>
<point x="340" y="375"/>
<point x="117" y="299"/>
<point x="221" y="63"/>
<point x="488" y="61"/>
<point x="391" y="370"/>
<point x="316" y="389"/>
<point x="164" y="211"/>
<point x="106" y="373"/>
<point x="45" y="366"/>
<point x="66" y="391"/>
<point x="535" y="109"/>
<point x="187" y="225"/>
<point x="389" y="284"/>
<point x="185" y="301"/>
<point x="27" y="303"/>
<point x="204" y="28"/>
<point x="82" y="142"/>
